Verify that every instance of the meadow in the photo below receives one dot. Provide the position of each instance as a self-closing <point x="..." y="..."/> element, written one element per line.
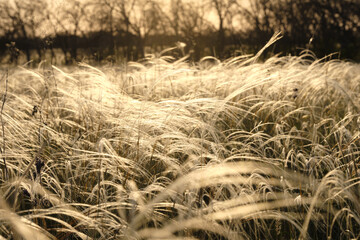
<point x="168" y="149"/>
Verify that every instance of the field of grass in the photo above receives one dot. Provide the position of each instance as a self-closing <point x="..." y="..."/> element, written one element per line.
<point x="239" y="149"/>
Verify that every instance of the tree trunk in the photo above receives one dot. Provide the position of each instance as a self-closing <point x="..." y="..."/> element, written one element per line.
<point x="26" y="45"/>
<point x="140" y="48"/>
<point x="221" y="39"/>
<point x="38" y="50"/>
<point x="73" y="45"/>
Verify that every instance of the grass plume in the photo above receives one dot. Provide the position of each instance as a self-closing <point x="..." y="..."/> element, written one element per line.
<point x="239" y="149"/>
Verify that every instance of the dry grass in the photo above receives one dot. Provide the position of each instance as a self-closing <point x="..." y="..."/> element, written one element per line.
<point x="219" y="150"/>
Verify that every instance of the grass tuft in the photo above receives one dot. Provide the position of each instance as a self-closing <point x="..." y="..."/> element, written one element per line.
<point x="239" y="149"/>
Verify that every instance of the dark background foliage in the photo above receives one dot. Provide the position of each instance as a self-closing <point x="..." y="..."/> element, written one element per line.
<point x="117" y="30"/>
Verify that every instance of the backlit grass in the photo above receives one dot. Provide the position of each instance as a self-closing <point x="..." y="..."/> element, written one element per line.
<point x="239" y="149"/>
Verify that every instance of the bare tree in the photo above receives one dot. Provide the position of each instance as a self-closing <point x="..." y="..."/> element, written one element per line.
<point x="223" y="9"/>
<point x="104" y="17"/>
<point x="141" y="18"/>
<point x="68" y="23"/>
<point x="257" y="16"/>
<point x="188" y="22"/>
<point x="323" y="25"/>
<point x="172" y="16"/>
<point x="21" y="20"/>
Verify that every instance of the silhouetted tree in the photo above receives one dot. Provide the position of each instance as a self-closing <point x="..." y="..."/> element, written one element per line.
<point x="323" y="25"/>
<point x="141" y="18"/>
<point x="187" y="20"/>
<point x="259" y="26"/>
<point x="173" y="17"/>
<point x="223" y="10"/>
<point x="68" y="24"/>
<point x="21" y="20"/>
<point x="104" y="18"/>
<point x="107" y="26"/>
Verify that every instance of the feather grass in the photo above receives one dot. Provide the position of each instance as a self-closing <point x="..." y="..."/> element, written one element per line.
<point x="239" y="149"/>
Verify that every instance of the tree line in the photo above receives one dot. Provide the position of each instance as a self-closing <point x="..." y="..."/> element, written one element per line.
<point x="127" y="29"/>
